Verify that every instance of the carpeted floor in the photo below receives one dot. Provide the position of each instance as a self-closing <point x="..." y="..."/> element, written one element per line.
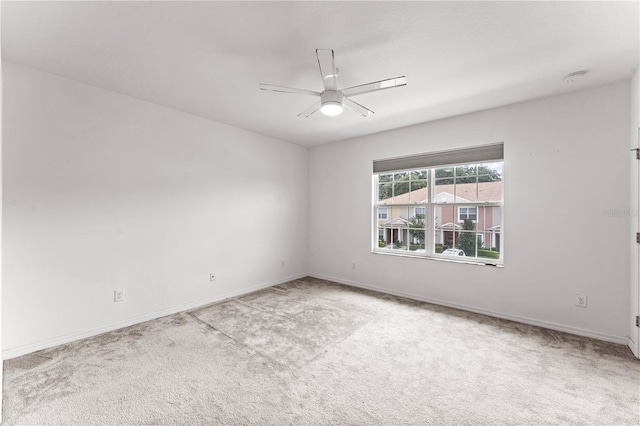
<point x="310" y="352"/>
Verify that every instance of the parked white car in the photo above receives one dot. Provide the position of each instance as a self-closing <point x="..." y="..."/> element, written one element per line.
<point x="453" y="252"/>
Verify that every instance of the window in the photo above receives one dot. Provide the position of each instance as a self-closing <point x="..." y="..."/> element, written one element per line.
<point x="439" y="204"/>
<point x="467" y="213"/>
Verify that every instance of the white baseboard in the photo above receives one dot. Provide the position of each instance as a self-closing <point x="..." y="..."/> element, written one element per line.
<point x="83" y="334"/>
<point x="544" y="324"/>
<point x="634" y="348"/>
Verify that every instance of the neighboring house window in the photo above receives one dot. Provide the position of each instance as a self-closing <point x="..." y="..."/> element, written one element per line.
<point x="467" y="213"/>
<point x="444" y="204"/>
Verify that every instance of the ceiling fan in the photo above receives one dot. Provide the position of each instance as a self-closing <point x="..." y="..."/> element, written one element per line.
<point x="332" y="100"/>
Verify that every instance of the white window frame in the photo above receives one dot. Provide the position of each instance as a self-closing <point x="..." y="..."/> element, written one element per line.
<point x="386" y="213"/>
<point x="430" y="207"/>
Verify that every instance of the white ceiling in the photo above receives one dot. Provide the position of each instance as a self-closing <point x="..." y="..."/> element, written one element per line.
<point x="207" y="58"/>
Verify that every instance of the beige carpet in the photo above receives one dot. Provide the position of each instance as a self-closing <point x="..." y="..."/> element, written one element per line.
<point x="311" y="352"/>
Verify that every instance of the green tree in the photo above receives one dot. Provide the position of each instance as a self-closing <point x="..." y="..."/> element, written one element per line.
<point x="467" y="174"/>
<point x="398" y="183"/>
<point x="467" y="240"/>
<point x="414" y="223"/>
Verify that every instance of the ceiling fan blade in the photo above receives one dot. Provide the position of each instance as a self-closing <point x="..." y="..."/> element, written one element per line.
<point x="288" y="90"/>
<point x="365" y="112"/>
<point x="307" y="112"/>
<point x="375" y="86"/>
<point x="327" y="64"/>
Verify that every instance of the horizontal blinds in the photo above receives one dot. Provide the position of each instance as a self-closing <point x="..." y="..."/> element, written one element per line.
<point x="476" y="154"/>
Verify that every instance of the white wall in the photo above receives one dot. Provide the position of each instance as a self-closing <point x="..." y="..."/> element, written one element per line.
<point x="103" y="192"/>
<point x="634" y="280"/>
<point x="566" y="165"/>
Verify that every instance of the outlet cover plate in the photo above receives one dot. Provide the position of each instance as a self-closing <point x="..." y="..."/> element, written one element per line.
<point x="581" y="300"/>
<point x="118" y="295"/>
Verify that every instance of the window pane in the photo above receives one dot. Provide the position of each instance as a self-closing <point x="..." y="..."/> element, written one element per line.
<point x="416" y="230"/>
<point x="467" y="170"/>
<point x="445" y="227"/>
<point x="466" y="189"/>
<point x="488" y="217"/>
<point x="399" y="190"/>
<point x="383" y="214"/>
<point x="467" y="242"/>
<point x="480" y="231"/>
<point x="495" y="217"/>
<point x="398" y="225"/>
<point x="490" y="190"/>
<point x="401" y="176"/>
<point x="445" y="172"/>
<point x="487" y="242"/>
<point x="385" y="178"/>
<point x="444" y="215"/>
<point x="490" y="168"/>
<point x="416" y="222"/>
<point x="488" y="227"/>
<point x="419" y="175"/>
<point x="385" y="191"/>
<point x="382" y="238"/>
<point x="418" y="193"/>
<point x="444" y="191"/>
<point x="466" y="237"/>
<point x="400" y="236"/>
<point x="490" y="181"/>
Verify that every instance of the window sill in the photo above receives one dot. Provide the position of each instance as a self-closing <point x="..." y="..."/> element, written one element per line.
<point x="475" y="261"/>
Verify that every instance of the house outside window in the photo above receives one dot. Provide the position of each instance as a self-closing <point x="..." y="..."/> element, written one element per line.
<point x="449" y="208"/>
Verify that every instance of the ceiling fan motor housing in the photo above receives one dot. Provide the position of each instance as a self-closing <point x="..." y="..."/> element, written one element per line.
<point x="331" y="97"/>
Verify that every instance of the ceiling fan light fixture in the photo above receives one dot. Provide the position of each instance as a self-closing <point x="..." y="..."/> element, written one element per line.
<point x="331" y="108"/>
<point x="331" y="102"/>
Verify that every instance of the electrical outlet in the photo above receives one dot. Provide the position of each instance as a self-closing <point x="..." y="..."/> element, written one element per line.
<point x="581" y="300"/>
<point x="118" y="295"/>
<point x="353" y="266"/>
<point x="282" y="264"/>
<point x="212" y="276"/>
